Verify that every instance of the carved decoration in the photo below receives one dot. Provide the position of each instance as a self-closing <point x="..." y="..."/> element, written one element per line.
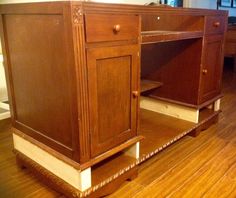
<point x="77" y="15"/>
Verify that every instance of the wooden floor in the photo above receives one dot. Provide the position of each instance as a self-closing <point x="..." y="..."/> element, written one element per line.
<point x="204" y="166"/>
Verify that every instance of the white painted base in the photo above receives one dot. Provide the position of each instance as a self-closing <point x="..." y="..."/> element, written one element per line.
<point x="217" y="105"/>
<point x="6" y="114"/>
<point x="133" y="151"/>
<point x="170" y="109"/>
<point x="81" y="180"/>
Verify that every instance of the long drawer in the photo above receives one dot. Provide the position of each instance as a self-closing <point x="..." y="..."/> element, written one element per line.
<point x="108" y="27"/>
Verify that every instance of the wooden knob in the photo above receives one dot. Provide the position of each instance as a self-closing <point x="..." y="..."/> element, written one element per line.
<point x="216" y="24"/>
<point x="116" y="28"/>
<point x="204" y="71"/>
<point x="135" y="94"/>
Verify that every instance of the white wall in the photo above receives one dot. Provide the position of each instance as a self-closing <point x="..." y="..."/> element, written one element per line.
<point x="3" y="89"/>
<point x="209" y="4"/>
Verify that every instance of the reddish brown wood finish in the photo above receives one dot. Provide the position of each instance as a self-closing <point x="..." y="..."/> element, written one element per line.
<point x="211" y="70"/>
<point x="42" y="78"/>
<point x="82" y="86"/>
<point x="73" y="69"/>
<point x="215" y="25"/>
<point x="179" y="72"/>
<point x="111" y="27"/>
<point x="165" y="36"/>
<point x="230" y="44"/>
<point x="112" y="80"/>
<point x="172" y="22"/>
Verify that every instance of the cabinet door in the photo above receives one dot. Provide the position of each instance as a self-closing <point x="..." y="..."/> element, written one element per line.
<point x="113" y="85"/>
<point x="211" y="68"/>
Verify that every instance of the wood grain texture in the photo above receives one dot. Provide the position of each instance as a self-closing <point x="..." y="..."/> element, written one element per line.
<point x="104" y="26"/>
<point x="215" y="25"/>
<point x="147" y="85"/>
<point x="39" y="52"/>
<point x="82" y="84"/>
<point x="172" y="22"/>
<point x="166" y="36"/>
<point x="210" y="83"/>
<point x="170" y="67"/>
<point x="112" y="79"/>
<point x="198" y="166"/>
<point x="182" y="159"/>
<point x="230" y="42"/>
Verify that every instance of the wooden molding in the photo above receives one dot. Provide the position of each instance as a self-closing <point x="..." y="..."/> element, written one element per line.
<point x="82" y="87"/>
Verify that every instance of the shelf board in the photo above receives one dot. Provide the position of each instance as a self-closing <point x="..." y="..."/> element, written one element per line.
<point x="163" y="36"/>
<point x="108" y="168"/>
<point x="147" y="85"/>
<point x="159" y="130"/>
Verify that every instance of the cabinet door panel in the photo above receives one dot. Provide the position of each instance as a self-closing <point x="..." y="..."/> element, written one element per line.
<point x="112" y="78"/>
<point x="211" y="68"/>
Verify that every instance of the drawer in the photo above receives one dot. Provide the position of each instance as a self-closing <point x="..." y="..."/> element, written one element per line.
<point x="215" y="24"/>
<point x="106" y="27"/>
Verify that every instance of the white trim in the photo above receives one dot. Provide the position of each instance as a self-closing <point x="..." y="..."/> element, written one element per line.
<point x="81" y="180"/>
<point x="133" y="151"/>
<point x="170" y="109"/>
<point x="1" y="58"/>
<point x="5" y="115"/>
<point x="217" y="105"/>
<point x="4" y="106"/>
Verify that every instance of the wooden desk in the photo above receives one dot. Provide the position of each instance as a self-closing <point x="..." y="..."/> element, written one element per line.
<point x="230" y="43"/>
<point x="81" y="121"/>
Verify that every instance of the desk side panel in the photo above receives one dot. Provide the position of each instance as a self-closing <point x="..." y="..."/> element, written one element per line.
<point x="41" y="76"/>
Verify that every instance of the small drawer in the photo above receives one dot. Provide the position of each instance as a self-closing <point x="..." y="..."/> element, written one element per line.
<point x="105" y="27"/>
<point x="215" y="24"/>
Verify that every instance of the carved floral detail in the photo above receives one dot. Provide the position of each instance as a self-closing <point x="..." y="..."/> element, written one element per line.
<point x="77" y="15"/>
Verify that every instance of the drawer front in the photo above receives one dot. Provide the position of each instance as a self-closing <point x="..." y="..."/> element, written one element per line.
<point x="105" y="27"/>
<point x="215" y="24"/>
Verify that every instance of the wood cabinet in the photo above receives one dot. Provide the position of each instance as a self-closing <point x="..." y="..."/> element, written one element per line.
<point x="211" y="68"/>
<point x="96" y="89"/>
<point x="113" y="95"/>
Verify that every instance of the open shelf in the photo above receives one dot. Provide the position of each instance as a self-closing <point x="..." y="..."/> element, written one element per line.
<point x="108" y="168"/>
<point x="163" y="36"/>
<point x="147" y="85"/>
<point x="161" y="130"/>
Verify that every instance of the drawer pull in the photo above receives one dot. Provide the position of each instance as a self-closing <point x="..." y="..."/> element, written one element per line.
<point x="116" y="28"/>
<point x="135" y="94"/>
<point x="204" y="71"/>
<point x="216" y="24"/>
